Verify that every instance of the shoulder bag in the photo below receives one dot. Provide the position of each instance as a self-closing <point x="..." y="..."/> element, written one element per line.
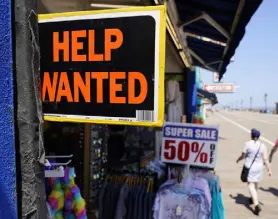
<point x="245" y="170"/>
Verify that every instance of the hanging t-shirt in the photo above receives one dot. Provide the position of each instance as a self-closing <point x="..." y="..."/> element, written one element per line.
<point x="196" y="183"/>
<point x="173" y="101"/>
<point x="217" y="209"/>
<point x="170" y="204"/>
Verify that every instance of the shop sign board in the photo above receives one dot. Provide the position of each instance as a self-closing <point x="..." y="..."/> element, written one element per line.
<point x="104" y="66"/>
<point x="220" y="88"/>
<point x="191" y="144"/>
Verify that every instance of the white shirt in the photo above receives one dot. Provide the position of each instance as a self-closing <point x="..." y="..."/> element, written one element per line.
<point x="173" y="99"/>
<point x="250" y="149"/>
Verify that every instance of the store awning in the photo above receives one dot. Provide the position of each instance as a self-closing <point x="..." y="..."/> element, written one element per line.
<point x="213" y="29"/>
<point x="205" y="53"/>
<point x="207" y="95"/>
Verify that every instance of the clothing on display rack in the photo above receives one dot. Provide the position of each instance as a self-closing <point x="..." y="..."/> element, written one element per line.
<point x="173" y="101"/>
<point x="217" y="211"/>
<point x="156" y="166"/>
<point x="64" y="198"/>
<point x="198" y="196"/>
<point x="126" y="196"/>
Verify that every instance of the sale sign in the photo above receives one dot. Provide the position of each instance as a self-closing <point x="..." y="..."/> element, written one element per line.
<point x="190" y="144"/>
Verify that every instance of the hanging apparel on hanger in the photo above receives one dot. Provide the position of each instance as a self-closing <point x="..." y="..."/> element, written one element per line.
<point x="128" y="197"/>
<point x="74" y="204"/>
<point x="179" y="200"/>
<point x="56" y="200"/>
<point x="217" y="204"/>
<point x="65" y="199"/>
<point x="174" y="202"/>
<point x="218" y="211"/>
<point x="173" y="101"/>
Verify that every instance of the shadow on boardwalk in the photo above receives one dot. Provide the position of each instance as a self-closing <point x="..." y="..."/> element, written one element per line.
<point x="242" y="200"/>
<point x="271" y="190"/>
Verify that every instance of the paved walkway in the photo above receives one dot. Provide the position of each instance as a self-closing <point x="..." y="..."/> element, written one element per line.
<point x="233" y="134"/>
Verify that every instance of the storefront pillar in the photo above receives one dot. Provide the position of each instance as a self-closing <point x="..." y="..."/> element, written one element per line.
<point x="28" y="113"/>
<point x="8" y="208"/>
<point x="190" y="94"/>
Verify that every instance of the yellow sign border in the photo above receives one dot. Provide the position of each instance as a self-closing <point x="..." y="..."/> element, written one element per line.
<point x="162" y="47"/>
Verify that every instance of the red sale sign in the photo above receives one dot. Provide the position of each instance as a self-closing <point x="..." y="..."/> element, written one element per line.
<point x="190" y="144"/>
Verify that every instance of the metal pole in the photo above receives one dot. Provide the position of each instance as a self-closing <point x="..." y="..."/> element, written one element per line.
<point x="29" y="119"/>
<point x="251" y="103"/>
<point x="265" y="101"/>
<point x="241" y="104"/>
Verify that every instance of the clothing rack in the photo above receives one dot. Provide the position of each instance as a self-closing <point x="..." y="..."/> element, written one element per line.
<point x="57" y="172"/>
<point x="180" y="169"/>
<point x="201" y="168"/>
<point x="126" y="196"/>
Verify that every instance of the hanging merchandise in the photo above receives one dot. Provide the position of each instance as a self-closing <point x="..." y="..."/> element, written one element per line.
<point x="75" y="206"/>
<point x="64" y="199"/>
<point x="129" y="197"/>
<point x="192" y="189"/>
<point x="131" y="148"/>
<point x="129" y="194"/>
<point x="98" y="156"/>
<point x="141" y="138"/>
<point x="173" y="109"/>
<point x="65" y="143"/>
<point x="198" y="196"/>
<point x="173" y="101"/>
<point x="56" y="200"/>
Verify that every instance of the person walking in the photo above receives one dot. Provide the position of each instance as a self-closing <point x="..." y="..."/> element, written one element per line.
<point x="255" y="156"/>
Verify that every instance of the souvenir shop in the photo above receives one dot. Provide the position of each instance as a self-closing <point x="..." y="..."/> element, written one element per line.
<point x="151" y="188"/>
<point x="82" y="154"/>
<point x="125" y="176"/>
<point x="101" y="170"/>
<point x="94" y="168"/>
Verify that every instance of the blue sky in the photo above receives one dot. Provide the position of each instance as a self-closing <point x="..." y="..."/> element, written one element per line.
<point x="255" y="68"/>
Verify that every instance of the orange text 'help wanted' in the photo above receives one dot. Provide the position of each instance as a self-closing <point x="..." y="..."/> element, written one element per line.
<point x="70" y="45"/>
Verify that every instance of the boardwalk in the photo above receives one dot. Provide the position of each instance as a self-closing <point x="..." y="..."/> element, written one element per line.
<point x="233" y="133"/>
